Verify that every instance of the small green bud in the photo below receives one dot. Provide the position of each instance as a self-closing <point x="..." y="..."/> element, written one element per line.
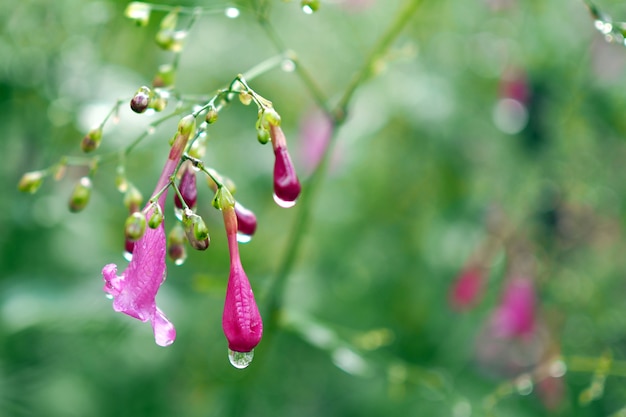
<point x="196" y="231"/>
<point x="135" y="226"/>
<point x="187" y="125"/>
<point x="211" y="115"/>
<point x="271" y="117"/>
<point x="80" y="195"/>
<point x="132" y="198"/>
<point x="223" y="199"/>
<point x="158" y="103"/>
<point x="165" y="76"/>
<point x="139" y="12"/>
<point x="263" y="135"/>
<point x="156" y="218"/>
<point x="198" y="147"/>
<point x="31" y="181"/>
<point x="245" y="98"/>
<point x="92" y="140"/>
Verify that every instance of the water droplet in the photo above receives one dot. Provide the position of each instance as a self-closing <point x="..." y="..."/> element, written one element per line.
<point x="179" y="261"/>
<point x="243" y="238"/>
<point x="232" y="12"/>
<point x="109" y="296"/>
<point x="128" y="256"/>
<point x="178" y="213"/>
<point x="288" y="65"/>
<point x="283" y="203"/>
<point x="557" y="368"/>
<point x="307" y="9"/>
<point x="240" y="360"/>
<point x="150" y="130"/>
<point x="524" y="385"/>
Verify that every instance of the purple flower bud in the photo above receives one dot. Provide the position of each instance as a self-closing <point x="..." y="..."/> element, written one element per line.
<point x="246" y="220"/>
<point x="187" y="188"/>
<point x="467" y="288"/>
<point x="515" y="316"/>
<point x="286" y="184"/>
<point x="241" y="320"/>
<point x="141" y="100"/>
<point x="80" y="195"/>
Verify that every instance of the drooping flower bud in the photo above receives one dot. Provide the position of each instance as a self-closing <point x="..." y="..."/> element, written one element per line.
<point x="31" y="181"/>
<point x="141" y="100"/>
<point x="132" y="198"/>
<point x="286" y="184"/>
<point x="176" y="245"/>
<point x="262" y="135"/>
<point x="92" y="140"/>
<point x="156" y="218"/>
<point x="467" y="289"/>
<point x="135" y="226"/>
<point x="515" y="315"/>
<point x="246" y="223"/>
<point x="196" y="231"/>
<point x="187" y="187"/>
<point x="168" y="38"/>
<point x="80" y="195"/>
<point x="158" y="102"/>
<point x="211" y="115"/>
<point x="241" y="321"/>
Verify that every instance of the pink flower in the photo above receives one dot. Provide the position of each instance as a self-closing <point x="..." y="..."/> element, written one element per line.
<point x="134" y="291"/>
<point x="241" y="320"/>
<point x="467" y="290"/>
<point x="315" y="133"/>
<point x="515" y="316"/>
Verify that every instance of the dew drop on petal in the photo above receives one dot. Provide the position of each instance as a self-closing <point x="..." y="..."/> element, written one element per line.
<point x="240" y="360"/>
<point x="243" y="238"/>
<point x="232" y="12"/>
<point x="284" y="203"/>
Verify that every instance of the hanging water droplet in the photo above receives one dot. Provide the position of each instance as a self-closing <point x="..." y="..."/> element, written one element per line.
<point x="232" y="12"/>
<point x="557" y="368"/>
<point x="109" y="296"/>
<point x="283" y="203"/>
<point x="179" y="261"/>
<point x="307" y="9"/>
<point x="288" y="65"/>
<point x="524" y="385"/>
<point x="243" y="238"/>
<point x="240" y="360"/>
<point x="128" y="256"/>
<point x="150" y="130"/>
<point x="178" y="213"/>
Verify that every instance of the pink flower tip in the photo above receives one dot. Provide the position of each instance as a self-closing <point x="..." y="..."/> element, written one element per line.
<point x="241" y="322"/>
<point x="134" y="291"/>
<point x="286" y="184"/>
<point x="246" y="220"/>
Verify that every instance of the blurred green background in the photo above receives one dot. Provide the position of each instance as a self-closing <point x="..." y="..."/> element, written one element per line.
<point x="429" y="156"/>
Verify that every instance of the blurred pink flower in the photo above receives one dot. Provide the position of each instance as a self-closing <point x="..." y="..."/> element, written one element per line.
<point x="515" y="316"/>
<point x="467" y="289"/>
<point x="316" y="130"/>
<point x="356" y="5"/>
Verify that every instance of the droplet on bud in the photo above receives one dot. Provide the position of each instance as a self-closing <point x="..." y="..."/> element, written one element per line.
<point x="240" y="360"/>
<point x="310" y="6"/>
<point x="31" y="181"/>
<point x="286" y="184"/>
<point x="135" y="226"/>
<point x="80" y="195"/>
<point x="232" y="12"/>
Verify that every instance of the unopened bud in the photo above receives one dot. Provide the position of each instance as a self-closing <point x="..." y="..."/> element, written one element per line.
<point x="165" y="77"/>
<point x="158" y="103"/>
<point x="139" y="12"/>
<point x="263" y="135"/>
<point x="176" y="245"/>
<point x="141" y="100"/>
<point x="92" y="140"/>
<point x="80" y="195"/>
<point x="133" y="198"/>
<point x="135" y="226"/>
<point x="223" y="199"/>
<point x="269" y="116"/>
<point x="187" y="125"/>
<point x="187" y="188"/>
<point x="31" y="181"/>
<point x="286" y="184"/>
<point x="211" y="115"/>
<point x="246" y="220"/>
<point x="196" y="231"/>
<point x="156" y="218"/>
<point x="245" y="98"/>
